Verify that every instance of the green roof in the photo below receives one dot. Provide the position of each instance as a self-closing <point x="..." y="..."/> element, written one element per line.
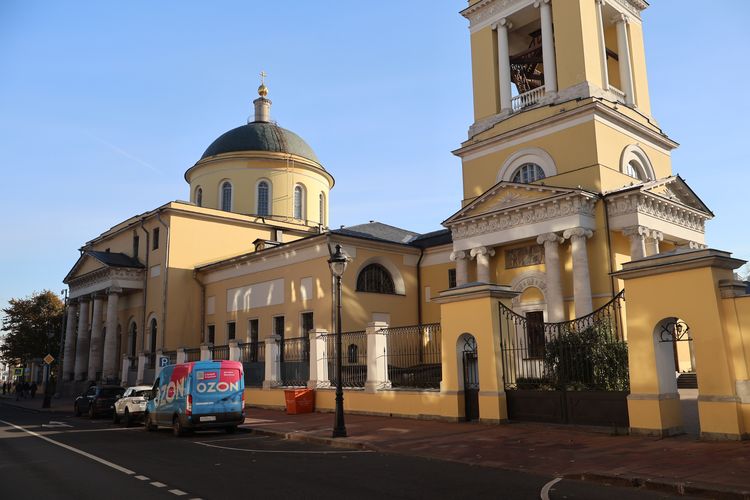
<point x="261" y="136"/>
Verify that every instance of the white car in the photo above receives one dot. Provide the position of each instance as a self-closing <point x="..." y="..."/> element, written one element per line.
<point x="131" y="405"/>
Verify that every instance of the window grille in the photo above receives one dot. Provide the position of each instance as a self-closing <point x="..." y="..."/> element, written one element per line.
<point x="263" y="189"/>
<point x="527" y="173"/>
<point x="375" y="279"/>
<point x="226" y="197"/>
<point x="322" y="208"/>
<point x="298" y="202"/>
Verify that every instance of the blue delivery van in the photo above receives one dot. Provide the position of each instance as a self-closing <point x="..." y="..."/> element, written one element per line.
<point x="197" y="395"/>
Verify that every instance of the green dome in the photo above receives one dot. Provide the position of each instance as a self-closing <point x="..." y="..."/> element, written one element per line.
<point x="261" y="136"/>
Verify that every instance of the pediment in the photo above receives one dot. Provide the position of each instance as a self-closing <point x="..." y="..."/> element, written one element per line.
<point x="92" y="261"/>
<point x="507" y="196"/>
<point x="676" y="189"/>
<point x="84" y="265"/>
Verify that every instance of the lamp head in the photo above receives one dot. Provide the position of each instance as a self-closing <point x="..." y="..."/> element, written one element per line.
<point x="338" y="262"/>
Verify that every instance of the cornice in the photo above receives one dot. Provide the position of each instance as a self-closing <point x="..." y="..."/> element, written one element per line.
<point x="106" y="274"/>
<point x="485" y="12"/>
<point x="633" y="7"/>
<point x="678" y="261"/>
<point x="658" y="207"/>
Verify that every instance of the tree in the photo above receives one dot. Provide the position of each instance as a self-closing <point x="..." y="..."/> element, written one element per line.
<point x="28" y="323"/>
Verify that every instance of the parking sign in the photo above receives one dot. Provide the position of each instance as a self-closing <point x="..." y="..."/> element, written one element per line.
<point x="163" y="361"/>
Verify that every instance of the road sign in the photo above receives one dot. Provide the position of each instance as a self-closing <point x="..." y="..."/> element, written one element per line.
<point x="17" y="372"/>
<point x="163" y="361"/>
<point x="49" y="359"/>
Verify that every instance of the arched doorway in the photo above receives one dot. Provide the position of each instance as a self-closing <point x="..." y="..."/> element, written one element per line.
<point x="467" y="350"/>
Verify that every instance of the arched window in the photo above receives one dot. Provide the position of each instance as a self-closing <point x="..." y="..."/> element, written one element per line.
<point x="299" y="202"/>
<point x="199" y="196"/>
<point x="634" y="169"/>
<point x="263" y="198"/>
<point x="634" y="162"/>
<point x="322" y="207"/>
<point x="152" y="333"/>
<point x="352" y="353"/>
<point x="226" y="196"/>
<point x="132" y="336"/>
<point x="375" y="279"/>
<point x="528" y="173"/>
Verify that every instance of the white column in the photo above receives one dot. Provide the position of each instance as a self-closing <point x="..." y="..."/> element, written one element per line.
<point x="82" y="345"/>
<point x="637" y="235"/>
<point x="551" y="242"/>
<point x="318" y="360"/>
<point x="623" y="54"/>
<point x="462" y="267"/>
<point x="483" y="254"/>
<point x="125" y="369"/>
<point x="548" y="46"/>
<point x="109" y="364"/>
<point x="142" y="360"/>
<point x="652" y="242"/>
<point x="95" y="345"/>
<point x="69" y="354"/>
<point x="206" y="352"/>
<point x="581" y="280"/>
<point x="503" y="63"/>
<point x="181" y="356"/>
<point x="234" y="350"/>
<point x="377" y="358"/>
<point x="273" y="366"/>
<point x="602" y="43"/>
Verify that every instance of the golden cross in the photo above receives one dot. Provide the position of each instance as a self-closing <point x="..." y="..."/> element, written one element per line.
<point x="263" y="76"/>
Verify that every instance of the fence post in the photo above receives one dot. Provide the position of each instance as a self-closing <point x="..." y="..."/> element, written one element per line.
<point x="157" y="367"/>
<point x="181" y="356"/>
<point x="377" y="358"/>
<point x="206" y="352"/>
<point x="125" y="369"/>
<point x="273" y="366"/>
<point x="318" y="360"/>
<point x="142" y="359"/>
<point x="234" y="350"/>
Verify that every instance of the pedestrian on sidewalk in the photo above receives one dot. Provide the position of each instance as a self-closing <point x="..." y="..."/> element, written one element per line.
<point x="33" y="389"/>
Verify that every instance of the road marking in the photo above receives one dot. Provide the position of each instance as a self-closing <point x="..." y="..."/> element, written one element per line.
<point x="301" y="452"/>
<point x="142" y="478"/>
<point x="53" y="423"/>
<point x="544" y="495"/>
<point x="179" y="493"/>
<point x="158" y="484"/>
<point x="74" y="450"/>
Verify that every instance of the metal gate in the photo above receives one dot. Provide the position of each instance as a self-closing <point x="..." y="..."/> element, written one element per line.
<point x="573" y="372"/>
<point x="471" y="379"/>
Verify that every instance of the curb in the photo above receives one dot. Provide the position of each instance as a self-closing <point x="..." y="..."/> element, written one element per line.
<point x="309" y="438"/>
<point x="707" y="490"/>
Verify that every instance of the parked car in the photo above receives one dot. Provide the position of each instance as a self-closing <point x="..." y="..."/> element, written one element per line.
<point x="97" y="400"/>
<point x="132" y="405"/>
<point x="197" y="395"/>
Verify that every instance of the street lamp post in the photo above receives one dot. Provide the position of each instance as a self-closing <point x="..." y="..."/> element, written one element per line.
<point x="338" y="262"/>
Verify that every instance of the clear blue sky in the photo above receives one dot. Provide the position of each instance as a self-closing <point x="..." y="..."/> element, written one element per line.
<point x="104" y="105"/>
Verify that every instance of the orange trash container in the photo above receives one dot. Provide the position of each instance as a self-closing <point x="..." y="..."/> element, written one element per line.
<point x="299" y="401"/>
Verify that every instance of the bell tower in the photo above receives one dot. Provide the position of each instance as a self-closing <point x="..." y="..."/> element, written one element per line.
<point x="545" y="73"/>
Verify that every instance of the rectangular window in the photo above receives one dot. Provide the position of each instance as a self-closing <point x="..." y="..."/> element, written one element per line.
<point x="306" y="323"/>
<point x="136" y="244"/>
<point x="231" y="330"/>
<point x="278" y="329"/>
<point x="535" y="333"/>
<point x="252" y="333"/>
<point x="451" y="278"/>
<point x="211" y="334"/>
<point x="155" y="245"/>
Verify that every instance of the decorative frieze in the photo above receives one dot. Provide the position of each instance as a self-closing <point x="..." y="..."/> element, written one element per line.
<point x="531" y="255"/>
<point x="659" y="208"/>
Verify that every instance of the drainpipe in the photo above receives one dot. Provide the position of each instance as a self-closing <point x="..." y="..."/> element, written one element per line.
<point x="203" y="306"/>
<point x="145" y="286"/>
<point x="166" y="281"/>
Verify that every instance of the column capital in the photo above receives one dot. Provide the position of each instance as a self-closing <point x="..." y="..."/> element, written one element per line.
<point x="97" y="295"/>
<point x="631" y="231"/>
<point x="114" y="290"/>
<point x="578" y="232"/>
<point x="502" y="23"/>
<point x="549" y="237"/>
<point x="656" y="235"/>
<point x="84" y="299"/>
<point x="459" y="255"/>
<point x="482" y="251"/>
<point x="73" y="302"/>
<point x="620" y="18"/>
<point x="599" y="2"/>
<point x="539" y="3"/>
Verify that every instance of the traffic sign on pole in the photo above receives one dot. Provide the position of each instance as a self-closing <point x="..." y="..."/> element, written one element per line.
<point x="163" y="361"/>
<point x="49" y="359"/>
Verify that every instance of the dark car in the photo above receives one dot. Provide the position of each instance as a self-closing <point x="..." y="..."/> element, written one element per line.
<point x="98" y="400"/>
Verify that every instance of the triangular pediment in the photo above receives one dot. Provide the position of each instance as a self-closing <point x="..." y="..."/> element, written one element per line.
<point x="92" y="261"/>
<point x="676" y="189"/>
<point x="507" y="196"/>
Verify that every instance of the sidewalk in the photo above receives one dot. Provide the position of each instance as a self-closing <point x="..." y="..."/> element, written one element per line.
<point x="63" y="405"/>
<point x="678" y="464"/>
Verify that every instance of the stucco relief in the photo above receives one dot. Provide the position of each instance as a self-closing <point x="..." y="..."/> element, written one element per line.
<point x="531" y="255"/>
<point x="534" y="279"/>
<point x="658" y="208"/>
<point x="105" y="275"/>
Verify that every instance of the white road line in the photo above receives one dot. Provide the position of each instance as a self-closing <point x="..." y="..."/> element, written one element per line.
<point x="300" y="452"/>
<point x="142" y="478"/>
<point x="544" y="495"/>
<point x="179" y="493"/>
<point x="158" y="484"/>
<point x="74" y="450"/>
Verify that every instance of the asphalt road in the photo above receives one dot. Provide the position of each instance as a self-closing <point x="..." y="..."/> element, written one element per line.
<point x="61" y="456"/>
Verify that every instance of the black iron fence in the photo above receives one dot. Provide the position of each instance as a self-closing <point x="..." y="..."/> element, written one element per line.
<point x="294" y="358"/>
<point x="219" y="352"/>
<point x="588" y="353"/>
<point x="414" y="356"/>
<point x="172" y="355"/>
<point x="193" y="354"/>
<point x="354" y="358"/>
<point x="253" y="358"/>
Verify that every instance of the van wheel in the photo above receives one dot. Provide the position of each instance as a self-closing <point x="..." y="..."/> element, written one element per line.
<point x="127" y="419"/>
<point x="177" y="428"/>
<point x="231" y="429"/>
<point x="147" y="423"/>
